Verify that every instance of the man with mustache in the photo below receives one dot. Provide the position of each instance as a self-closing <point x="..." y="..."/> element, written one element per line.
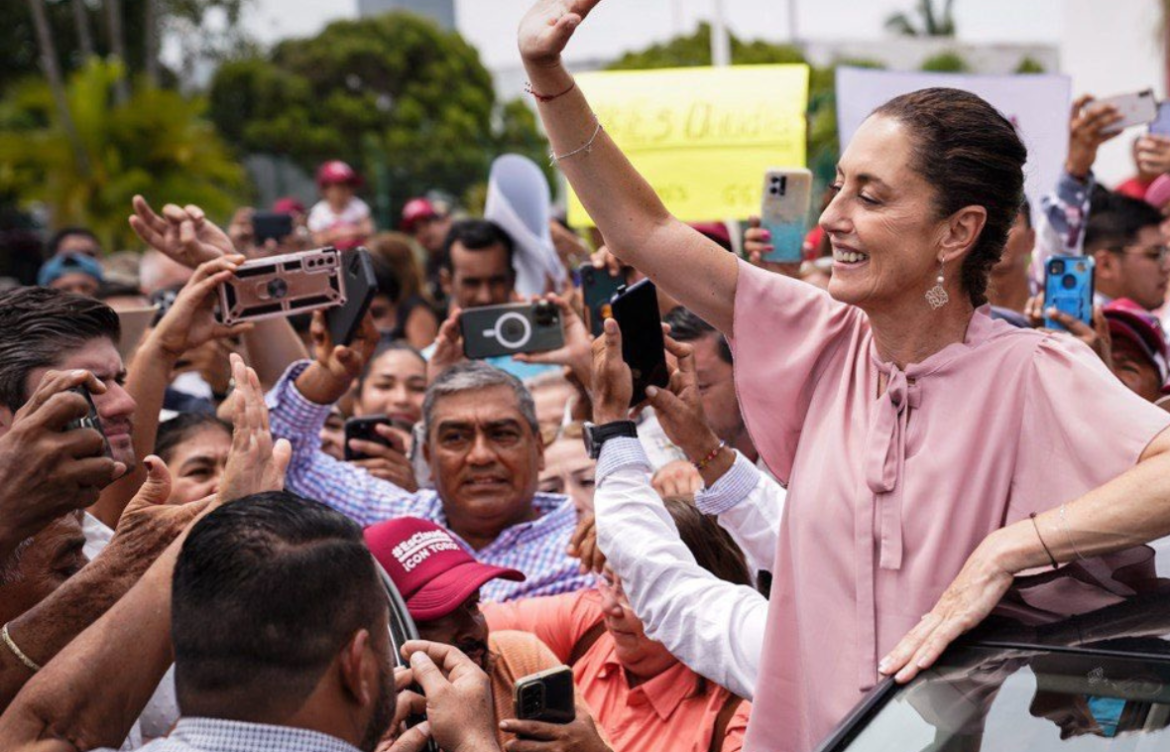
<point x="440" y="582"/>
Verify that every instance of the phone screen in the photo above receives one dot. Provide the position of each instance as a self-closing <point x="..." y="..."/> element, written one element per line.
<point x="643" y="348"/>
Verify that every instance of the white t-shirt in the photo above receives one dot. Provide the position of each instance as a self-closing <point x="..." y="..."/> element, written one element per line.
<point x="322" y="217"/>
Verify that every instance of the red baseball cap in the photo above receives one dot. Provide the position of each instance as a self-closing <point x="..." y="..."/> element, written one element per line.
<point x="434" y="573"/>
<point x="288" y="205"/>
<point x="415" y="211"/>
<point x="1128" y="320"/>
<point x="336" y="171"/>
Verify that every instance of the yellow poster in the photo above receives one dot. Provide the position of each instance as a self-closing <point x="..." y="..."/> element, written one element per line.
<point x="703" y="137"/>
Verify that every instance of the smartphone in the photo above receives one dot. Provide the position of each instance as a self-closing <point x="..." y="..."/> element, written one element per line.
<point x="90" y="420"/>
<point x="365" y="430"/>
<point x="643" y="349"/>
<point x="598" y="287"/>
<point x="1135" y="109"/>
<point x="1160" y="126"/>
<point x="271" y="226"/>
<point x="1068" y="287"/>
<point x="282" y="286"/>
<point x="546" y="696"/>
<point x="491" y="331"/>
<point x="784" y="212"/>
<point x="360" y="285"/>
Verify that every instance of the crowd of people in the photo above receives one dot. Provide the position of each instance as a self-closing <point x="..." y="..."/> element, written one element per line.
<point x="862" y="450"/>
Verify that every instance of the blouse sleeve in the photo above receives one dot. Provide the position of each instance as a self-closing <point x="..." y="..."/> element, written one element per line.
<point x="788" y="335"/>
<point x="1081" y="427"/>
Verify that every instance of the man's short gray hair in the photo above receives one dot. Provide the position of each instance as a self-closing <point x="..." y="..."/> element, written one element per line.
<point x="475" y="375"/>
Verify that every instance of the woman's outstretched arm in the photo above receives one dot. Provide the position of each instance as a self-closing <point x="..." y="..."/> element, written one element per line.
<point x="636" y="226"/>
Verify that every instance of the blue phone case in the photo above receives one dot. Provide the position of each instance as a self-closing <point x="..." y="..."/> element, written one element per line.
<point x="787" y="241"/>
<point x="1068" y="287"/>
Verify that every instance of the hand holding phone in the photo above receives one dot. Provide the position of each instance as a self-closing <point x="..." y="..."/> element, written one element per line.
<point x="784" y="213"/>
<point x="1138" y="108"/>
<point x="1068" y="287"/>
<point x="546" y="696"/>
<point x="492" y="331"/>
<point x="90" y="420"/>
<point x="271" y="226"/>
<point x="360" y="285"/>
<point x="598" y="286"/>
<point x="643" y="347"/>
<point x="366" y="429"/>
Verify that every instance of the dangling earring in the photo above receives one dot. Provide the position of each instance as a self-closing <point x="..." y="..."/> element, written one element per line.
<point x="937" y="296"/>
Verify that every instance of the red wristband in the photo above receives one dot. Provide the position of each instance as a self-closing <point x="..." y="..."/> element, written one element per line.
<point x="710" y="457"/>
<point x="547" y="97"/>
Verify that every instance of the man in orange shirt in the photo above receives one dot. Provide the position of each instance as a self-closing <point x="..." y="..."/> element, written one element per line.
<point x="440" y="582"/>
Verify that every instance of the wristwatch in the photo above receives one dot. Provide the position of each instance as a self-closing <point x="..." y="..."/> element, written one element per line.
<point x="596" y="436"/>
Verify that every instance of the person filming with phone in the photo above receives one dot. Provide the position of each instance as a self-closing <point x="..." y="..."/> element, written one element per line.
<point x="867" y="399"/>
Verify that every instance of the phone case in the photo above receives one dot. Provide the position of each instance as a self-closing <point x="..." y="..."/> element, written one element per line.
<point x="1135" y="109"/>
<point x="598" y="287"/>
<point x="360" y="285"/>
<point x="282" y="286"/>
<point x="1068" y="287"/>
<point x="364" y="430"/>
<point x="643" y="348"/>
<point x="492" y="331"/>
<point x="546" y="696"/>
<point x="784" y="212"/>
<point x="1161" y="124"/>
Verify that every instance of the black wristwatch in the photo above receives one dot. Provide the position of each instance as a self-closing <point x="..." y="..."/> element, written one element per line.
<point x="596" y="436"/>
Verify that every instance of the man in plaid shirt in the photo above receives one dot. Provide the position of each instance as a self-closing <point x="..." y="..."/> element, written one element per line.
<point x="485" y="452"/>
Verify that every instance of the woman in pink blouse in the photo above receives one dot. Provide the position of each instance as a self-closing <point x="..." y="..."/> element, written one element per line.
<point x="931" y="453"/>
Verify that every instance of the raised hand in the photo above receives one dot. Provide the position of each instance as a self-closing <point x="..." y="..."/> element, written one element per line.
<point x="190" y="322"/>
<point x="46" y="470"/>
<point x="255" y="464"/>
<point x="547" y="27"/>
<point x="182" y="233"/>
<point x="613" y="384"/>
<point x="448" y="346"/>
<point x="149" y="524"/>
<point x="390" y="463"/>
<point x="1089" y="126"/>
<point x="577" y="351"/>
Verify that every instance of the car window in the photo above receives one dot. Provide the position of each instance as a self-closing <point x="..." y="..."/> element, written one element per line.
<point x="1019" y="701"/>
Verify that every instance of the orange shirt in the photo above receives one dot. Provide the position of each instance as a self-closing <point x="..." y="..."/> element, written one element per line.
<point x="515" y="655"/>
<point x="667" y="712"/>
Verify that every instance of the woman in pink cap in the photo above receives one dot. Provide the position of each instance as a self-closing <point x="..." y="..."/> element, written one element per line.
<point x="931" y="453"/>
<point x="340" y="218"/>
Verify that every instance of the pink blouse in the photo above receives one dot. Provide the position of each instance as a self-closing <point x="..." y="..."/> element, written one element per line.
<point x="888" y="496"/>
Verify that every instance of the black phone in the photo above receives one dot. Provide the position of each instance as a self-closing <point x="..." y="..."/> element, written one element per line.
<point x="271" y="226"/>
<point x="365" y="429"/>
<point x="90" y="420"/>
<point x="360" y="285"/>
<point x="643" y="349"/>
<point x="598" y="287"/>
<point x="546" y="696"/>
<point x="491" y="331"/>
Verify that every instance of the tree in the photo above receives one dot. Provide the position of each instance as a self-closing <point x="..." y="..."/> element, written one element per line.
<point x="946" y="62"/>
<point x="1030" y="65"/>
<point x="393" y="95"/>
<point x="930" y="23"/>
<point x="49" y="66"/>
<point x="157" y="142"/>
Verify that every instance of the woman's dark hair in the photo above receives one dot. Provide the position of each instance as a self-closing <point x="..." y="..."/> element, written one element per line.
<point x="173" y="432"/>
<point x="712" y="547"/>
<point x="972" y="156"/>
<point x="385" y="346"/>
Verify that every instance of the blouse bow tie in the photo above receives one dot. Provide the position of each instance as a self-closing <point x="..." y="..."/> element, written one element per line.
<point x="885" y="459"/>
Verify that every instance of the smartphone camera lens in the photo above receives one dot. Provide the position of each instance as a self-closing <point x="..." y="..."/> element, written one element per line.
<point x="1068" y="281"/>
<point x="544" y="313"/>
<point x="1056" y="267"/>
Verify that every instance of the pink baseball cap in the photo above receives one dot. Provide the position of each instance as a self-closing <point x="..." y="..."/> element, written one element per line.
<point x="415" y="211"/>
<point x="336" y="171"/>
<point x="288" y="205"/>
<point x="434" y="573"/>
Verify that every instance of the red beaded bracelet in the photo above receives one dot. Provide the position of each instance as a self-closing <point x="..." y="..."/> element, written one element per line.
<point x="547" y="97"/>
<point x="710" y="457"/>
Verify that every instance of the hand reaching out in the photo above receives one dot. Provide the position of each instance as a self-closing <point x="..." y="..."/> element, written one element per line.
<point x="448" y="346"/>
<point x="547" y="27"/>
<point x="577" y="352"/>
<point x="190" y="322"/>
<point x="255" y="464"/>
<point x="184" y="234"/>
<point x="1089" y="126"/>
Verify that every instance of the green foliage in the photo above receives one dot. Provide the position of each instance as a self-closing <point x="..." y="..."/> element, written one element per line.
<point x="157" y="143"/>
<point x="928" y="21"/>
<point x="420" y="92"/>
<point x="1030" y="65"/>
<point x="946" y="62"/>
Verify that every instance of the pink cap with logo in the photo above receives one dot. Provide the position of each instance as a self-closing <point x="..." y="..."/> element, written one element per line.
<point x="434" y="573"/>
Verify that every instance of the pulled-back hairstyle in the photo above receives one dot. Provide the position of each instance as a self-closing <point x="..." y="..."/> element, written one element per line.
<point x="972" y="156"/>
<point x="38" y="327"/>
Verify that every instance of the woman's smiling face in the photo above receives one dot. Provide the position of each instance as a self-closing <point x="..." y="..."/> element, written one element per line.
<point x="882" y="222"/>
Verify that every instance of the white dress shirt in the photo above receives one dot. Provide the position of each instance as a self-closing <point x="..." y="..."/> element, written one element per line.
<point x="714" y="627"/>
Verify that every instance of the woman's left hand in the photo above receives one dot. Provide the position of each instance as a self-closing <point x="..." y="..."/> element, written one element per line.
<point x="970" y="598"/>
<point x="535" y="736"/>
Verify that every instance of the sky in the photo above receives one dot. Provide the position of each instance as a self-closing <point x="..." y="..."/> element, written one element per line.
<point x="620" y="25"/>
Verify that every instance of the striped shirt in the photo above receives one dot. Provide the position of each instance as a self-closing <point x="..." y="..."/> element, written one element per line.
<point x="536" y="548"/>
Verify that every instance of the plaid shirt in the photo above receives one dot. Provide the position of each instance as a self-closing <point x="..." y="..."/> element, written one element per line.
<point x="214" y="735"/>
<point x="536" y="548"/>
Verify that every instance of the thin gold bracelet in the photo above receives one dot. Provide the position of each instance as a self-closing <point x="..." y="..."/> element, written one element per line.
<point x="28" y="662"/>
